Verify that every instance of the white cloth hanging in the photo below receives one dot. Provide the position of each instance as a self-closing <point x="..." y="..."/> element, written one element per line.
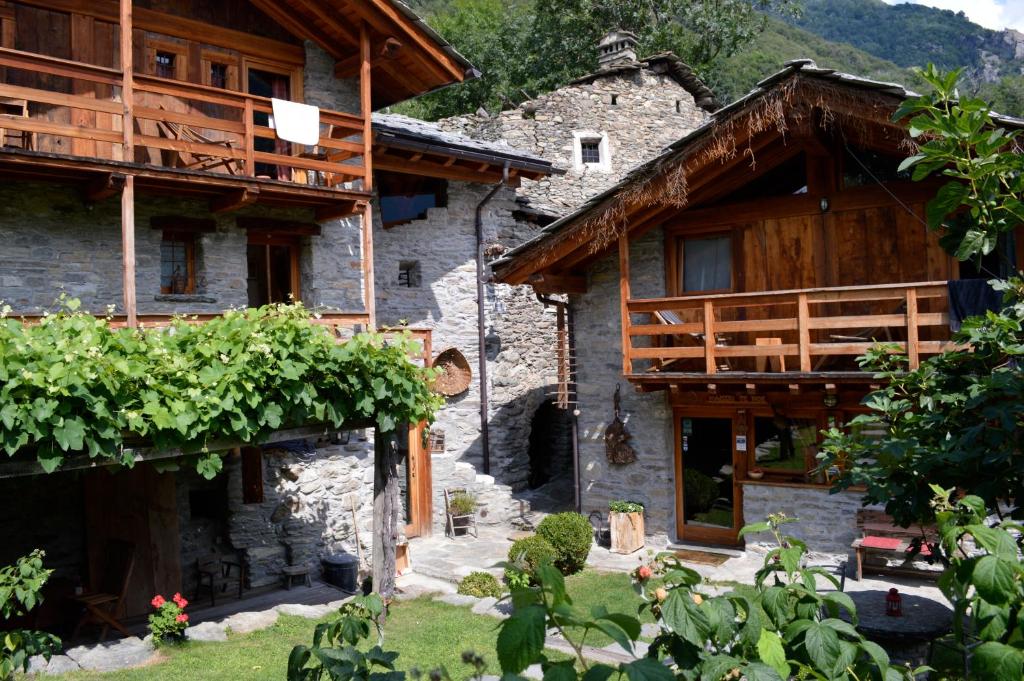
<point x="294" y="122"/>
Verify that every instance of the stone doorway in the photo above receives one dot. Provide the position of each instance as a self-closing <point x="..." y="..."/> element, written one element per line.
<point x="550" y="445"/>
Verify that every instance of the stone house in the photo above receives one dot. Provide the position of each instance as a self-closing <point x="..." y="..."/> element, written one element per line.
<point x="179" y="189"/>
<point x="726" y="287"/>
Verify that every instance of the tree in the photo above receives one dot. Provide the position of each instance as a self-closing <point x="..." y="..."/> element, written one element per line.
<point x="958" y="420"/>
<point x="532" y="46"/>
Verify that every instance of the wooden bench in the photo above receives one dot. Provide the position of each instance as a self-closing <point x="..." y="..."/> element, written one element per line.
<point x="880" y="536"/>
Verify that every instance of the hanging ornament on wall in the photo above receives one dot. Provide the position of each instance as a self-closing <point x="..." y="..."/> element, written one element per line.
<point x="616" y="437"/>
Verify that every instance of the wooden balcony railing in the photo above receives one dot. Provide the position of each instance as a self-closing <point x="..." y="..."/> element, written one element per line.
<point x="78" y="107"/>
<point x="797" y="331"/>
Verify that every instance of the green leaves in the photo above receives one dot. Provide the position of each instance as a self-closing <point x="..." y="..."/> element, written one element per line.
<point x="995" y="579"/>
<point x="71" y="384"/>
<point x="998" y="662"/>
<point x="772" y="653"/>
<point x="521" y="638"/>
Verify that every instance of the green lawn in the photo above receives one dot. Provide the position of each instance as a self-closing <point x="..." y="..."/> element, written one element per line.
<point x="613" y="590"/>
<point x="427" y="635"/>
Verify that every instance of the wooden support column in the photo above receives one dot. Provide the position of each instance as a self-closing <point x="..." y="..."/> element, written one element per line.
<point x="913" y="344"/>
<point x="624" y="294"/>
<point x="710" y="365"/>
<point x="250" y="139"/>
<point x="803" y="320"/>
<point x="366" y="104"/>
<point x="128" y="193"/>
<point x="385" y="512"/>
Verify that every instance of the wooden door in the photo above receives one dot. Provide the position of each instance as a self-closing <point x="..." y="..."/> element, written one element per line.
<point x="415" y="483"/>
<point x="136" y="506"/>
<point x="273" y="269"/>
<point x="709" y="502"/>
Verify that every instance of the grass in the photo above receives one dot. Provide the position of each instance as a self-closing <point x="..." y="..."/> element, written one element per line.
<point x="425" y="633"/>
<point x="613" y="590"/>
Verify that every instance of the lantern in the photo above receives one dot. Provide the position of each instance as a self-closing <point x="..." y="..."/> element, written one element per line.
<point x="893" y="603"/>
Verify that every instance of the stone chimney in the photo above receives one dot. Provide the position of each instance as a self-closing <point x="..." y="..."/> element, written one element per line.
<point x="616" y="48"/>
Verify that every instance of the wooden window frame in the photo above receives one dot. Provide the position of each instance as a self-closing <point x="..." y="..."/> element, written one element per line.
<point x="675" y="259"/>
<point x="180" y="50"/>
<point x="210" y="57"/>
<point x="294" y="74"/>
<point x="294" y="245"/>
<point x="189" y="239"/>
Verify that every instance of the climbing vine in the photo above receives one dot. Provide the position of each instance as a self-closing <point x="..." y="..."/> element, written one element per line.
<point x="73" y="386"/>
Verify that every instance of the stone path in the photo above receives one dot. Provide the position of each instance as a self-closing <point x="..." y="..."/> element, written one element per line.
<point x="137" y="652"/>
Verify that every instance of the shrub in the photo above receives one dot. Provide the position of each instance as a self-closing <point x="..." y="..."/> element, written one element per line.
<point x="481" y="585"/>
<point x="571" y="535"/>
<point x="21" y="588"/>
<point x="699" y="490"/>
<point x="621" y="506"/>
<point x="528" y="554"/>
<point x="516" y="580"/>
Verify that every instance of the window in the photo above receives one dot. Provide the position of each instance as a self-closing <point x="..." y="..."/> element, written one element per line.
<point x="785" y="447"/>
<point x="590" y="151"/>
<point x="220" y="70"/>
<point x="178" y="263"/>
<point x="707" y="264"/>
<point x="219" y="75"/>
<point x="679" y="106"/>
<point x="165" y="64"/>
<point x="615" y="100"/>
<point x="409" y="273"/>
<point x="404" y="198"/>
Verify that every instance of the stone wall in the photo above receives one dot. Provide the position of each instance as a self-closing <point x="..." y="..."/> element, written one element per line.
<point x="643" y="120"/>
<point x="648" y="418"/>
<point x="827" y="521"/>
<point x="56" y="243"/>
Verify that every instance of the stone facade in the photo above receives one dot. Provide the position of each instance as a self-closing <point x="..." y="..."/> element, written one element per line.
<point x="634" y="113"/>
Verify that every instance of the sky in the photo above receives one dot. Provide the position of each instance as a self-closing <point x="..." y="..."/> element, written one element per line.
<point x="995" y="14"/>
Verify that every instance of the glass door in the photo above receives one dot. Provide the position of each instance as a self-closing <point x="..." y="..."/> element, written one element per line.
<point x="707" y="501"/>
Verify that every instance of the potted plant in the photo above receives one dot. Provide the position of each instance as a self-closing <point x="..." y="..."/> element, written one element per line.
<point x="462" y="506"/>
<point x="755" y="473"/>
<point x="169" y="622"/>
<point x="626" y="522"/>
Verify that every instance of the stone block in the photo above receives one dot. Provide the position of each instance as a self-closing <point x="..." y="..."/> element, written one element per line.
<point x="247" y="622"/>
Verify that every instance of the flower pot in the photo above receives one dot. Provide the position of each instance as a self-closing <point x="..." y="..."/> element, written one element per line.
<point x="755" y="475"/>
<point x="460" y="526"/>
<point x="627" y="530"/>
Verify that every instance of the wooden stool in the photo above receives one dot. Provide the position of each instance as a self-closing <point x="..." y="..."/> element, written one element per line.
<point x="291" y="572"/>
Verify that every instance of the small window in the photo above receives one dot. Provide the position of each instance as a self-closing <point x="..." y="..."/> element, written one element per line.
<point x="679" y="106"/>
<point x="404" y="198"/>
<point x="178" y="263"/>
<point x="590" y="151"/>
<point x="165" y="66"/>
<point x="615" y="100"/>
<point x="409" y="273"/>
<point x="707" y="264"/>
<point x="219" y="75"/>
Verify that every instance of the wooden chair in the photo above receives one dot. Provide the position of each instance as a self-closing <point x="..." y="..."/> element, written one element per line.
<point x="696" y="339"/>
<point x="15" y="107"/>
<point x="467" y="521"/>
<point x="200" y="161"/>
<point x="104" y="606"/>
<point x="216" y="574"/>
<point x="775" y="363"/>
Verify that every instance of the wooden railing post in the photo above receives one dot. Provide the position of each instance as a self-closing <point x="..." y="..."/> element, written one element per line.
<point x="128" y="193"/>
<point x="624" y="295"/>
<point x="709" y="338"/>
<point x="803" y="318"/>
<point x="913" y="342"/>
<point x="250" y="139"/>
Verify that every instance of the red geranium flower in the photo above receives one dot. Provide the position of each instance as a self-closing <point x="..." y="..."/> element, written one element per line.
<point x="158" y="601"/>
<point x="180" y="601"/>
<point x="181" y="618"/>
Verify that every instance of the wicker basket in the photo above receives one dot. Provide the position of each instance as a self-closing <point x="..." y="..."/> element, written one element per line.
<point x="455" y="373"/>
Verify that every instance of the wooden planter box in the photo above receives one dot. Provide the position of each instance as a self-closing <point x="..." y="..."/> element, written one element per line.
<point x="627" y="530"/>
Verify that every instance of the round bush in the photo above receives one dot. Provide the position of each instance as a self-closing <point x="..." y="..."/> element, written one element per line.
<point x="571" y="535"/>
<point x="532" y="552"/>
<point x="481" y="585"/>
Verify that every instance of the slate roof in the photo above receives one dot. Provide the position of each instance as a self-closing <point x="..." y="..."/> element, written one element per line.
<point x="411" y="133"/>
<point x="679" y="70"/>
<point x="805" y="67"/>
<point x="470" y="70"/>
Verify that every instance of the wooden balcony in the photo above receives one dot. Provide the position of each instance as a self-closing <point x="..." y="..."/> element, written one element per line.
<point x="780" y="336"/>
<point x="188" y="138"/>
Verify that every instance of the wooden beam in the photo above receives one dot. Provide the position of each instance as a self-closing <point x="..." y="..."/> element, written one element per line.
<point x="128" y="189"/>
<point x="234" y="200"/>
<point x="104" y="187"/>
<point x="441" y="64"/>
<point x="624" y="296"/>
<point x="369" y="289"/>
<point x="397" y="164"/>
<point x="366" y="104"/>
<point x="709" y="338"/>
<point x="271" y="225"/>
<point x="558" y="283"/>
<point x="913" y="340"/>
<point x="342" y="209"/>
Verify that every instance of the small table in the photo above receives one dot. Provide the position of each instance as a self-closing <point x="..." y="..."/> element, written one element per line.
<point x="907" y="638"/>
<point x="293" y="572"/>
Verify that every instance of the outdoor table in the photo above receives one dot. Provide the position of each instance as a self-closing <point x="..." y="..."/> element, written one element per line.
<point x="906" y="638"/>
